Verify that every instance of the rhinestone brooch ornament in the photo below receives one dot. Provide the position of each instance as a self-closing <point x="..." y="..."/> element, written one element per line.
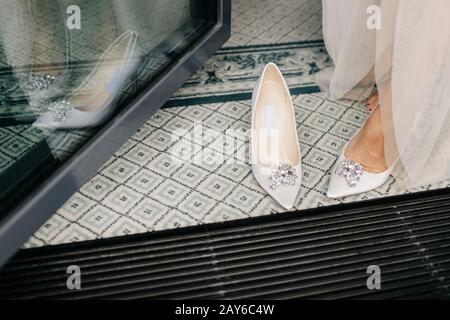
<point x="39" y="82"/>
<point x="283" y="175"/>
<point x="350" y="170"/>
<point x="59" y="109"/>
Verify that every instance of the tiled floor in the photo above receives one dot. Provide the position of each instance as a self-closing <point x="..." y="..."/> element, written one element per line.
<point x="275" y="21"/>
<point x="144" y="188"/>
<point x="117" y="202"/>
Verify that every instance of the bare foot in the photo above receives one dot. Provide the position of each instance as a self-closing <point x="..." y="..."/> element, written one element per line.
<point x="373" y="101"/>
<point x="367" y="147"/>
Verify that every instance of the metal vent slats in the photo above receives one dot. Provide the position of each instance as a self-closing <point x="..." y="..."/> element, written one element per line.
<point x="317" y="253"/>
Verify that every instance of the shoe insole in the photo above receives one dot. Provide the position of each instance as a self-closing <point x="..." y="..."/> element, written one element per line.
<point x="276" y="138"/>
<point x="105" y="83"/>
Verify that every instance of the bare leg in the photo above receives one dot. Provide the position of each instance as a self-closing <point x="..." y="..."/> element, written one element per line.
<point x="367" y="147"/>
<point x="52" y="58"/>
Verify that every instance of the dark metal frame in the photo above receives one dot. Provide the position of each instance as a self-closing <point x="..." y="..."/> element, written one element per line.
<point x="20" y="223"/>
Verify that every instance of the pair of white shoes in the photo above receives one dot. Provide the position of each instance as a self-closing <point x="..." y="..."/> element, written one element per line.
<point x="276" y="156"/>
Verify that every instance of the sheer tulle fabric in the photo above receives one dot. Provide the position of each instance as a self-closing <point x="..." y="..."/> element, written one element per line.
<point x="408" y="59"/>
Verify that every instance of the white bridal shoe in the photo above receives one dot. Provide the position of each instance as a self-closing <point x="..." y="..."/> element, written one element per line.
<point x="349" y="177"/>
<point x="94" y="100"/>
<point x="276" y="159"/>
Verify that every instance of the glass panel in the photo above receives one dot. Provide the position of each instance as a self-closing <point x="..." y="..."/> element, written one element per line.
<point x="67" y="66"/>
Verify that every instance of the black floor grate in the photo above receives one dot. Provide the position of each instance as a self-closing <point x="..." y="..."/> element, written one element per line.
<point x="318" y="253"/>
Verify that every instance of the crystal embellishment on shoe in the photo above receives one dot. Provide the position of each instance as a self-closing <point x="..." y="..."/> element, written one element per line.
<point x="59" y="109"/>
<point x="283" y="175"/>
<point x="351" y="170"/>
<point x="39" y="82"/>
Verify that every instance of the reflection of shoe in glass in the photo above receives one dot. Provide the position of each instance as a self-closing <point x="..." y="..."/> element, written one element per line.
<point x="94" y="100"/>
<point x="276" y="159"/>
<point x="350" y="178"/>
<point x="41" y="87"/>
<point x="37" y="81"/>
